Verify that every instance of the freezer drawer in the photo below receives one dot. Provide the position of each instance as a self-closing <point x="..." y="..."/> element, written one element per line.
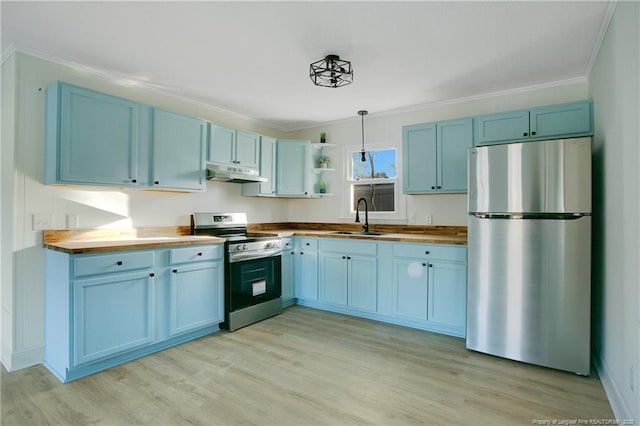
<point x="529" y="290"/>
<point x="531" y="177"/>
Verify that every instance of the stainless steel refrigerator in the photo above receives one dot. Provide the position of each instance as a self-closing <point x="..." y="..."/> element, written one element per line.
<point x="529" y="288"/>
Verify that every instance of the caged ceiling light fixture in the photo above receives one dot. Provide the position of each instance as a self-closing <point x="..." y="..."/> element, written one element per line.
<point x="331" y="72"/>
<point x="362" y="113"/>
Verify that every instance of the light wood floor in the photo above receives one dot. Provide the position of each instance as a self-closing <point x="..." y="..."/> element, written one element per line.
<point x="308" y="367"/>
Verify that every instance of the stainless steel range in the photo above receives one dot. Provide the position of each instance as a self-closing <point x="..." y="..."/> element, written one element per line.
<point x="253" y="288"/>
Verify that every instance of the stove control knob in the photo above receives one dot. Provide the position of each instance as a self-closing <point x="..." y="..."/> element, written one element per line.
<point x="244" y="247"/>
<point x="268" y="245"/>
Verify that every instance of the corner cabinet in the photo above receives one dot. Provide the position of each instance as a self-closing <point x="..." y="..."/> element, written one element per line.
<point x="96" y="139"/>
<point x="267" y="170"/>
<point x="293" y="167"/>
<point x="105" y="309"/>
<point x="553" y="121"/>
<point x="435" y="156"/>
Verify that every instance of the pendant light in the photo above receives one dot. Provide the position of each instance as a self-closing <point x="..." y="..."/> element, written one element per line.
<point x="362" y="113"/>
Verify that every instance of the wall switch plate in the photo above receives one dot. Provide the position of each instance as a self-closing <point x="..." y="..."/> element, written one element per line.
<point x="42" y="221"/>
<point x="428" y="218"/>
<point x="73" y="221"/>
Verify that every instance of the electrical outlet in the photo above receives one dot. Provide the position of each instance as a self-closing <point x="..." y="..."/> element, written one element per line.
<point x="73" y="221"/>
<point x="428" y="218"/>
<point x="42" y="221"/>
<point x="632" y="379"/>
<point x="412" y="218"/>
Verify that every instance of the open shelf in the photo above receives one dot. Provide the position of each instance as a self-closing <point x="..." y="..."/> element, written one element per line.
<point x="322" y="145"/>
<point x="320" y="170"/>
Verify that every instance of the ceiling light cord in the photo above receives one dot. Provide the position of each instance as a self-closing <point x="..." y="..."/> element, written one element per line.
<point x="362" y="113"/>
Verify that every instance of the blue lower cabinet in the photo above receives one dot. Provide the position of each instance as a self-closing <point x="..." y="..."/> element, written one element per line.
<point x="288" y="278"/>
<point x="112" y="315"/>
<point x="447" y="294"/>
<point x="332" y="280"/>
<point x="196" y="295"/>
<point x="105" y="309"/>
<point x="410" y="288"/>
<point x="306" y="274"/>
<point x="347" y="273"/>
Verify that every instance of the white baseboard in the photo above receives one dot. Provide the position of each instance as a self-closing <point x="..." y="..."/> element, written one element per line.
<point x="24" y="359"/>
<point x="621" y="410"/>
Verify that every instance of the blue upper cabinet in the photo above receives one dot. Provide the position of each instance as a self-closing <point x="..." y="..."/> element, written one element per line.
<point x="455" y="137"/>
<point x="293" y="166"/>
<point x="91" y="138"/>
<point x="97" y="139"/>
<point x="419" y="158"/>
<point x="553" y="121"/>
<point x="178" y="151"/>
<point x="222" y="145"/>
<point x="231" y="147"/>
<point x="566" y="120"/>
<point x="267" y="170"/>
<point x="435" y="156"/>
<point x="247" y="149"/>
<point x="506" y="126"/>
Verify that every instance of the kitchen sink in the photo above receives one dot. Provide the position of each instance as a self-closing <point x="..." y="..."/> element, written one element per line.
<point x="355" y="233"/>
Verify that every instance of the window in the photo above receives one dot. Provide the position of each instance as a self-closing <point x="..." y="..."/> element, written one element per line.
<point x="374" y="179"/>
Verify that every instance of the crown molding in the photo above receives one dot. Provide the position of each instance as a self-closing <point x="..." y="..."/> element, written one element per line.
<point x="123" y="80"/>
<point x="604" y="26"/>
<point x="447" y="102"/>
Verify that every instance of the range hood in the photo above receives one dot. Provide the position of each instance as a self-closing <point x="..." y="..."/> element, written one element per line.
<point x="233" y="174"/>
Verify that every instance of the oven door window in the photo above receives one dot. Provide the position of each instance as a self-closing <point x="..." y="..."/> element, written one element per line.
<point x="254" y="281"/>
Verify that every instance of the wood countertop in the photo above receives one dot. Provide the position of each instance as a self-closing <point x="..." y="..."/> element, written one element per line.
<point x="102" y="240"/>
<point x="432" y="234"/>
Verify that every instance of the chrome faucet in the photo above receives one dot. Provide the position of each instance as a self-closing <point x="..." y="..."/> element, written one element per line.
<point x="366" y="214"/>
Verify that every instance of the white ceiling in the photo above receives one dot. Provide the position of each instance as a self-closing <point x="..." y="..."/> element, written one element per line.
<point x="252" y="58"/>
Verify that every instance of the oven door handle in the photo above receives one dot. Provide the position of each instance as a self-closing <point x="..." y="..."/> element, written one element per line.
<point x="239" y="257"/>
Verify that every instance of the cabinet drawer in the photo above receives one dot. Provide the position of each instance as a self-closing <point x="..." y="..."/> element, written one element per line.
<point x="309" y="243"/>
<point x="111" y="263"/>
<point x="432" y="251"/>
<point x="342" y="245"/>
<point x="195" y="254"/>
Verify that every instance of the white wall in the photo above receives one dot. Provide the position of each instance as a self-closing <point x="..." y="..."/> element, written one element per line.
<point x="386" y="129"/>
<point x="23" y="194"/>
<point x="614" y="84"/>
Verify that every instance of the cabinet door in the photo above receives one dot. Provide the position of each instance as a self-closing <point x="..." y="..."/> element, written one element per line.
<point x="268" y="165"/>
<point x="222" y="143"/>
<point x="197" y="296"/>
<point x="332" y="281"/>
<point x="502" y="127"/>
<point x="363" y="283"/>
<point x="448" y="293"/>
<point x="410" y="288"/>
<point x="97" y="140"/>
<point x="247" y="149"/>
<point x="574" y="119"/>
<point x="292" y="176"/>
<point x="306" y="269"/>
<point x="419" y="158"/>
<point x="112" y="314"/>
<point x="287" y="272"/>
<point x="178" y="151"/>
<point x="454" y="138"/>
